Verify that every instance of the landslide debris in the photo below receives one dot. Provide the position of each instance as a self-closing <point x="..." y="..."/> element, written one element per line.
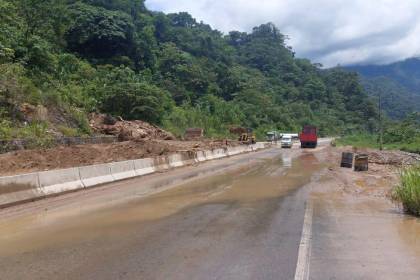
<point x="385" y="157"/>
<point x="127" y="130"/>
<point x="137" y="139"/>
<point x="398" y="158"/>
<point x="26" y="161"/>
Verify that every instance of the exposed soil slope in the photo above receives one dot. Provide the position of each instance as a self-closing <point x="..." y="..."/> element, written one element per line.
<point x="65" y="157"/>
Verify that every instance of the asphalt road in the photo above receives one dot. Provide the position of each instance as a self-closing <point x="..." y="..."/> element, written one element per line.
<point x="245" y="217"/>
<point x="239" y="218"/>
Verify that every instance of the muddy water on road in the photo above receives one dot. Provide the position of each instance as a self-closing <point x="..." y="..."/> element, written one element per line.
<point x="263" y="180"/>
<point x="358" y="233"/>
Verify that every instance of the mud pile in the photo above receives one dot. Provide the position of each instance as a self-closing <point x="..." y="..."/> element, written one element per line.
<point x="398" y="158"/>
<point x="127" y="130"/>
<point x="26" y="161"/>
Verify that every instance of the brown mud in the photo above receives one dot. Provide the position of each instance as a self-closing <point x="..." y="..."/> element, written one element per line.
<point x="246" y="186"/>
<point x="27" y="161"/>
<point x="357" y="230"/>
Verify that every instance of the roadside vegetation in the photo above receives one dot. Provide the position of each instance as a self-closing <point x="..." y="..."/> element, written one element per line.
<point x="74" y="57"/>
<point x="408" y="192"/>
<point x="398" y="135"/>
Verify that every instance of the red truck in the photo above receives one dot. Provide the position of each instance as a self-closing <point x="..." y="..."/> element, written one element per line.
<point x="308" y="137"/>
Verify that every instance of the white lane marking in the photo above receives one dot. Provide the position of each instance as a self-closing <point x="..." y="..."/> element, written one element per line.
<point x="302" y="267"/>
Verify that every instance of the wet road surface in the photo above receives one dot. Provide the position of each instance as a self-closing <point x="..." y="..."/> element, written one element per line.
<point x="237" y="218"/>
<point x="243" y="222"/>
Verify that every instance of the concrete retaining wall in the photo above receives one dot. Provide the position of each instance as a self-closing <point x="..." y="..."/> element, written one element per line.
<point x="26" y="187"/>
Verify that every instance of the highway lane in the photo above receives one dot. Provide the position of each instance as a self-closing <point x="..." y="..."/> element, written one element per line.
<point x="274" y="214"/>
<point x="238" y="218"/>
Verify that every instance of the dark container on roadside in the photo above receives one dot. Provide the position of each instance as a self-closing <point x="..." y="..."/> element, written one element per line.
<point x="347" y="160"/>
<point x="361" y="162"/>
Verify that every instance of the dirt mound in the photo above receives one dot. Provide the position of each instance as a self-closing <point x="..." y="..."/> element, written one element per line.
<point x="27" y="161"/>
<point x="393" y="158"/>
<point x="127" y="130"/>
<point x="385" y="157"/>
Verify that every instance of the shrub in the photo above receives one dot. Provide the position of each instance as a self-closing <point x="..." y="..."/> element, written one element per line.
<point x="68" y="131"/>
<point x="5" y="130"/>
<point x="408" y="192"/>
<point x="82" y="122"/>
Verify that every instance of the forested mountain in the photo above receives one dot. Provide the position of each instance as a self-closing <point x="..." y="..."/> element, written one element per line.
<point x="398" y="83"/>
<point x="117" y="57"/>
<point x="406" y="73"/>
<point x="397" y="101"/>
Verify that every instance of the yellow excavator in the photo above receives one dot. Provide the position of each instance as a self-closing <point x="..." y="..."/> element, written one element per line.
<point x="247" y="137"/>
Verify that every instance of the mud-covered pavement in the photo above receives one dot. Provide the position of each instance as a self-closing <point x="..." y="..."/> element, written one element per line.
<point x="237" y="218"/>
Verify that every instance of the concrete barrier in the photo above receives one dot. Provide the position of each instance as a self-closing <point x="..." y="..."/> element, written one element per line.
<point x="144" y="166"/>
<point x="219" y="153"/>
<point x="95" y="175"/>
<point x="232" y="151"/>
<point x="259" y="146"/>
<point x="175" y="160"/>
<point x="209" y="155"/>
<point x="18" y="188"/>
<point x="189" y="157"/>
<point x="122" y="170"/>
<point x="161" y="163"/>
<point x="58" y="181"/>
<point x="27" y="187"/>
<point x="200" y="156"/>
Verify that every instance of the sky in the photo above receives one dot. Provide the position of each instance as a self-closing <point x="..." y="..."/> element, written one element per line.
<point x="330" y="32"/>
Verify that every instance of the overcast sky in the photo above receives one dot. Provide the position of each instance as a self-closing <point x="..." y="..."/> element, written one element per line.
<point x="328" y="31"/>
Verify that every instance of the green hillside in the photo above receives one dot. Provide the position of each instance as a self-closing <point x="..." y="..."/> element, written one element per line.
<point x="116" y="57"/>
<point x="398" y="102"/>
<point x="398" y="84"/>
<point x="406" y="73"/>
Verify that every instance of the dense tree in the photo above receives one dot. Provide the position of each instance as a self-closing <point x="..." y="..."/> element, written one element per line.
<point x="97" y="32"/>
<point x="117" y="57"/>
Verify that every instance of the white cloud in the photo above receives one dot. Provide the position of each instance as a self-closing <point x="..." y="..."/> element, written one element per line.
<point x="327" y="31"/>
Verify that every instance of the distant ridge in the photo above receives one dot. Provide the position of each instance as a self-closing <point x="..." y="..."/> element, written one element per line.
<point x="406" y="72"/>
<point x="398" y="83"/>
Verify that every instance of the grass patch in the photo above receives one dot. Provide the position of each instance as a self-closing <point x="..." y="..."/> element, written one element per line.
<point x="359" y="141"/>
<point x="371" y="141"/>
<point x="68" y="131"/>
<point x="408" y="192"/>
<point x="9" y="130"/>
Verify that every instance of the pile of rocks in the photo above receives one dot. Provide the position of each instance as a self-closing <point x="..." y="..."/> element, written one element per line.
<point x="393" y="158"/>
<point x="127" y="130"/>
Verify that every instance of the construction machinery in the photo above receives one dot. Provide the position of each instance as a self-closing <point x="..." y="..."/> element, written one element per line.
<point x="246" y="135"/>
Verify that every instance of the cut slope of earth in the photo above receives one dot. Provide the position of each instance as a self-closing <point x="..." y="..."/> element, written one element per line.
<point x="65" y="157"/>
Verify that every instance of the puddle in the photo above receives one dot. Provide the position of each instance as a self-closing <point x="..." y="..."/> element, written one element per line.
<point x="287" y="160"/>
<point x="257" y="182"/>
<point x="409" y="231"/>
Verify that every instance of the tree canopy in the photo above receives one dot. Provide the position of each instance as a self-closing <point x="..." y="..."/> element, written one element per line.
<point x="117" y="57"/>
